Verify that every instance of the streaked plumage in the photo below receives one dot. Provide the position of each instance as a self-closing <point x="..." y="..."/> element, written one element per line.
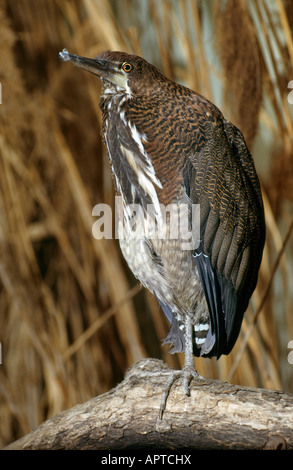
<point x="168" y="144"/>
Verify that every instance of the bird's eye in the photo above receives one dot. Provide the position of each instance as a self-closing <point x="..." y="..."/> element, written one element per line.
<point x="127" y="67"/>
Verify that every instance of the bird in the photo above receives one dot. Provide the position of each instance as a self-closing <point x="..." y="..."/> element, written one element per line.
<point x="169" y="146"/>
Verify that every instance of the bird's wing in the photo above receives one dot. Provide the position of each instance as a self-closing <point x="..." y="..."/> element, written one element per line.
<point x="222" y="180"/>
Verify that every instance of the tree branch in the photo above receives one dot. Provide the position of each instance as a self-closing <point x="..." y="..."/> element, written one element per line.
<point x="217" y="415"/>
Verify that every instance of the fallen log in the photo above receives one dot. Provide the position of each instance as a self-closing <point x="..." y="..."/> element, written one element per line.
<point x="217" y="415"/>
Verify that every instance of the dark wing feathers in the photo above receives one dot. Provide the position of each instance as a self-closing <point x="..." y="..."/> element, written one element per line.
<point x="222" y="179"/>
<point x="212" y="289"/>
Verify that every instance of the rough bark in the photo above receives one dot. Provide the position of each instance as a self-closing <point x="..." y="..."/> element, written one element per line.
<point x="217" y="415"/>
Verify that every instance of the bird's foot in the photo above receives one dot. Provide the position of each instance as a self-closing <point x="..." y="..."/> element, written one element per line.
<point x="187" y="374"/>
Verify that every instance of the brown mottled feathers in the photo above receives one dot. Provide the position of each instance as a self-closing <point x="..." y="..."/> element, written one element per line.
<point x="191" y="149"/>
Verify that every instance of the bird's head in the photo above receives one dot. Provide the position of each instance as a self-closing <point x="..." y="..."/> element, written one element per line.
<point x="125" y="72"/>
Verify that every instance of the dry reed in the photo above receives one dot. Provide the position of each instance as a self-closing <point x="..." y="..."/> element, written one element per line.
<point x="73" y="318"/>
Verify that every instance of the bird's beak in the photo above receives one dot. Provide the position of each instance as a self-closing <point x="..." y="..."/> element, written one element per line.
<point x="101" y="67"/>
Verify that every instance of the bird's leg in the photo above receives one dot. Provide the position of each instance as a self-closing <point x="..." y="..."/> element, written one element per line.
<point x="188" y="372"/>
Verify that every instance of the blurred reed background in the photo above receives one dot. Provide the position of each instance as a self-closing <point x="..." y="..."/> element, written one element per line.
<point x="72" y="317"/>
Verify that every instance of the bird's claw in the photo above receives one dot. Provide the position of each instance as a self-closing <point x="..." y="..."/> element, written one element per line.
<point x="188" y="374"/>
